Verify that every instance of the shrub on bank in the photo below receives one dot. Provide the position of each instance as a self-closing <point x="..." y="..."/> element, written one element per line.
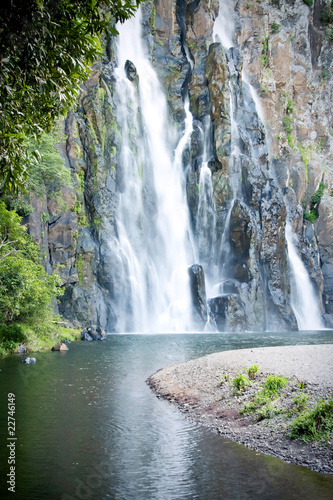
<point x="315" y="424"/>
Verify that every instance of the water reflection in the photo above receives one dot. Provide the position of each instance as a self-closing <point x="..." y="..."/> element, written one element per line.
<point x="89" y="427"/>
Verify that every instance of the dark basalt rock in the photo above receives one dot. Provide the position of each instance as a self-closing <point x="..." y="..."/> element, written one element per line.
<point x="93" y="333"/>
<point x="131" y="72"/>
<point x="198" y="291"/>
<point x="226" y="313"/>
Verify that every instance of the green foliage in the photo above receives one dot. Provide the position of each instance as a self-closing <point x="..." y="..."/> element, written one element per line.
<point x="258" y="401"/>
<point x="20" y="204"/>
<point x="224" y="378"/>
<point x="327" y="19"/>
<point x="26" y="290"/>
<point x="329" y="32"/>
<point x="13" y="238"/>
<point x="308" y="2"/>
<point x="289" y="107"/>
<point x="50" y="170"/>
<point x="300" y="401"/>
<point x="306" y="154"/>
<point x="252" y="371"/>
<point x="42" y="334"/>
<point x="46" y="50"/>
<point x="240" y="382"/>
<point x="268" y="411"/>
<point x="318" y="194"/>
<point x="264" y="58"/>
<point x="325" y="73"/>
<point x="312" y="215"/>
<point x="275" y="28"/>
<point x="265" y="45"/>
<point x="12" y="333"/>
<point x="327" y="14"/>
<point x="274" y="384"/>
<point x="46" y="176"/>
<point x="262" y="401"/>
<point x="264" y="61"/>
<point x="315" y="424"/>
<point x="287" y="124"/>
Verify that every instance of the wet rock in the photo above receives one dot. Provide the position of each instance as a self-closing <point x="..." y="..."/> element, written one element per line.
<point x="226" y="313"/>
<point x="93" y="333"/>
<point x="198" y="291"/>
<point x="131" y="72"/>
<point x="21" y="349"/>
<point x="27" y="361"/>
<point x="60" y="347"/>
<point x="86" y="336"/>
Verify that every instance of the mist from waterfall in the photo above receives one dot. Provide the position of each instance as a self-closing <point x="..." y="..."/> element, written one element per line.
<point x="304" y="300"/>
<point x="153" y="220"/>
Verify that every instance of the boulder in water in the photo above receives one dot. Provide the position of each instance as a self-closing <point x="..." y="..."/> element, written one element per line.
<point x="198" y="292"/>
<point x="226" y="313"/>
<point x="60" y="347"/>
<point x="93" y="333"/>
<point x="22" y="349"/>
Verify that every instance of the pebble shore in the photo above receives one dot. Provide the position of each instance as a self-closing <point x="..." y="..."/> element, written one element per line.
<point x="202" y="389"/>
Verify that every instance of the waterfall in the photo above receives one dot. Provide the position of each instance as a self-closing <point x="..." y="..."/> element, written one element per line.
<point x="156" y="242"/>
<point x="224" y="26"/>
<point x="304" y="301"/>
<point x="153" y="220"/>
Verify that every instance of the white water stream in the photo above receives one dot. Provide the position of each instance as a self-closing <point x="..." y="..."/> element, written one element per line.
<point x="155" y="240"/>
<point x="153" y="221"/>
<point x="304" y="300"/>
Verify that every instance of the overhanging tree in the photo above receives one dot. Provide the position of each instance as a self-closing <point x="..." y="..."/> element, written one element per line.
<point x="46" y="50"/>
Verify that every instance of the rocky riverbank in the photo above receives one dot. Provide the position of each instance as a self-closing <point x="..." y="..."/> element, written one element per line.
<point x="203" y="389"/>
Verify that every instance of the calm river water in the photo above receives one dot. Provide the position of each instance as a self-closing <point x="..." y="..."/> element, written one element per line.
<point x="88" y="427"/>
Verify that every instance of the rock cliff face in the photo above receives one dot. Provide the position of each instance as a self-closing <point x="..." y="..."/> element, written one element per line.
<point x="261" y="172"/>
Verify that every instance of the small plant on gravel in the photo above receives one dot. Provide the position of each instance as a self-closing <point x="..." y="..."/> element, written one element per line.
<point x="315" y="424"/>
<point x="263" y="398"/>
<point x="252" y="371"/>
<point x="258" y="401"/>
<point x="224" y="378"/>
<point x="274" y="384"/>
<point x="240" y="382"/>
<point x="300" y="402"/>
<point x="268" y="411"/>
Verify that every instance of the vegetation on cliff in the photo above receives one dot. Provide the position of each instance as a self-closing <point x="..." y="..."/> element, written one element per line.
<point x="26" y="290"/>
<point x="46" y="51"/>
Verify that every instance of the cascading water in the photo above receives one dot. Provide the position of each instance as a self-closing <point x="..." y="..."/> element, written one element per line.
<point x="304" y="301"/>
<point x="156" y="242"/>
<point x="206" y="219"/>
<point x="153" y="222"/>
<point x="223" y="33"/>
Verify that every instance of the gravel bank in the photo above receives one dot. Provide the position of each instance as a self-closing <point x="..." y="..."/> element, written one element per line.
<point x="196" y="388"/>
